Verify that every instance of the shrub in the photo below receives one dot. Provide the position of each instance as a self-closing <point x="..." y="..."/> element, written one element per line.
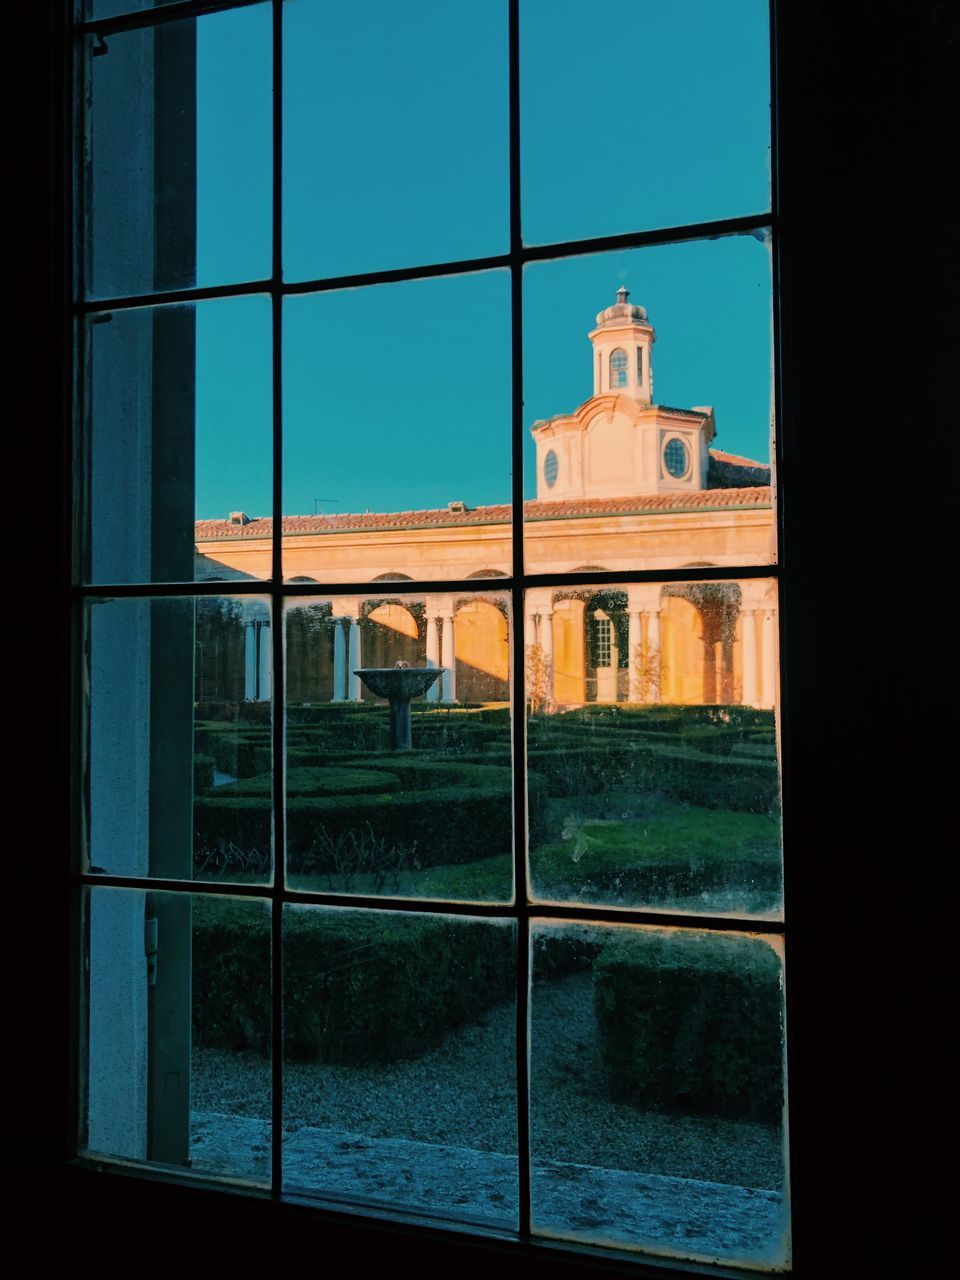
<point x="368" y="989"/>
<point x="700" y="778"/>
<point x="317" y="780"/>
<point x="241" y="754"/>
<point x="559" y="952"/>
<point x="691" y="1023"/>
<point x="230" y="975"/>
<point x="203" y="773"/>
<point x="446" y="825"/>
<point x="361" y="987"/>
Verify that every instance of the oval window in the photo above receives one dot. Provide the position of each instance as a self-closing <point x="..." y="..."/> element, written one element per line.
<point x="675" y="458"/>
<point x="551" y="469"/>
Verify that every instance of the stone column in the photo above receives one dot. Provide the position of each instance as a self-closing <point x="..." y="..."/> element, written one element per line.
<point x="634" y="656"/>
<point x="710" y="693"/>
<point x="749" y="657"/>
<point x="354" y="660"/>
<point x="250" y="661"/>
<point x="654" y="657"/>
<point x="339" y="662"/>
<point x="264" y="681"/>
<point x="530" y="630"/>
<point x="546" y="647"/>
<point x="768" y="659"/>
<point x="449" y="656"/>
<point x="433" y="655"/>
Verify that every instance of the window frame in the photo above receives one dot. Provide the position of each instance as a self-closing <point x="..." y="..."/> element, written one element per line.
<point x="821" y="136"/>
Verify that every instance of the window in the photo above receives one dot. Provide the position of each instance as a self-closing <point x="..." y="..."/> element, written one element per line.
<point x="601" y="641"/>
<point x="827" y="155"/>
<point x="618" y="369"/>
<point x="361" y="624"/>
<point x="675" y="458"/>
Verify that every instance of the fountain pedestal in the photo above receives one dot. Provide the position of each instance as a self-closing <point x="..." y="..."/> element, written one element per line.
<point x="398" y="685"/>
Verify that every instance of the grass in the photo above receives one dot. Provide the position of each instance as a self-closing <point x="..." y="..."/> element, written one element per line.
<point x="667" y="830"/>
<point x="660" y="853"/>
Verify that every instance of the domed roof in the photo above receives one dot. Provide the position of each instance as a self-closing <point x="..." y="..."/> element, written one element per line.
<point x="622" y="311"/>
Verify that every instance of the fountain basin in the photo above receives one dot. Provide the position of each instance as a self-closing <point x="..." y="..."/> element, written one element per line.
<point x="398" y="685"/>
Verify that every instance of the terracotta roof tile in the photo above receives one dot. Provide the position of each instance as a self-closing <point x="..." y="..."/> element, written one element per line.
<point x="730" y="471"/>
<point x="701" y="500"/>
<point x="721" y="456"/>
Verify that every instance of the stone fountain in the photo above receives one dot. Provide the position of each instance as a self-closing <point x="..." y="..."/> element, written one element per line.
<point x="398" y="685"/>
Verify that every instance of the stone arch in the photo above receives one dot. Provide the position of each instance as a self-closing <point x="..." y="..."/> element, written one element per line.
<point x="570" y="639"/>
<point x="483" y="650"/>
<point x="220" y="624"/>
<point x="392" y="577"/>
<point x="391" y="631"/>
<point x="309" y="643"/>
<point x="606" y="651"/>
<point x="701" y="653"/>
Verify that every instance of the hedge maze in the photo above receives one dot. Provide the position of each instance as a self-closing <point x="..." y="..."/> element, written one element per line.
<point x="662" y="807"/>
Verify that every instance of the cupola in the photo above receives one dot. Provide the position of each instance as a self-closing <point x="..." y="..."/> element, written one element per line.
<point x="622" y="343"/>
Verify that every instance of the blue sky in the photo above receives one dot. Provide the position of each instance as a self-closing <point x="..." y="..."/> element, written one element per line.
<point x="398" y="396"/>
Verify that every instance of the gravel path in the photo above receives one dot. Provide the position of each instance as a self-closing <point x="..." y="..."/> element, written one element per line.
<point x="462" y="1094"/>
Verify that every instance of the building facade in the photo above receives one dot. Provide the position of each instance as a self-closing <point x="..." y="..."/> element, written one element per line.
<point x="622" y="483"/>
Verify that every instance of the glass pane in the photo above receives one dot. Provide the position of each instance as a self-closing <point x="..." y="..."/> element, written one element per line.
<point x="398" y="746"/>
<point x="177" y="709"/>
<point x="400" y="1062"/>
<point x="662" y="459"/>
<point x="694" y="145"/>
<point x="652" y="746"/>
<point x="176" y="159"/>
<point x="657" y="1091"/>
<point x="391" y="160"/>
<point x="177" y="1032"/>
<point x="176" y="442"/>
<point x="397" y="430"/>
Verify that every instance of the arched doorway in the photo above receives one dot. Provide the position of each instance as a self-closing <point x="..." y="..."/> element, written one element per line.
<point x="605" y="647"/>
<point x="483" y="651"/>
<point x="309" y="641"/>
<point x="391" y="632"/>
<point x="591" y="651"/>
<point x="702" y="623"/>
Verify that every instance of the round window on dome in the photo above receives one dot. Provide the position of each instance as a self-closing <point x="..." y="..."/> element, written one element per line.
<point x="551" y="469"/>
<point x="676" y="458"/>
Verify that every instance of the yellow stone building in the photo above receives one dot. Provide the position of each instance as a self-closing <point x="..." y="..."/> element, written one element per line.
<point x="623" y="483"/>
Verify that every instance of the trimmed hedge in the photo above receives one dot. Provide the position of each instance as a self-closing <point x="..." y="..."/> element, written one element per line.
<point x="315" y="781"/>
<point x="242" y="753"/>
<point x="692" y="1023"/>
<point x="695" y="777"/>
<point x="559" y="952"/>
<point x="445" y="824"/>
<point x="361" y="987"/>
<point x="203" y="773"/>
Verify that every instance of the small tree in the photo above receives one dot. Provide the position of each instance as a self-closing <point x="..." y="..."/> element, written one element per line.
<point x="539" y="681"/>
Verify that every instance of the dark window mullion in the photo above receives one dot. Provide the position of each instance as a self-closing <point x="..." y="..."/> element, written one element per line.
<point x="761" y="222"/>
<point x="140" y="18"/>
<point x="524" y="581"/>
<point x="518" y="691"/>
<point x="277" y="622"/>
